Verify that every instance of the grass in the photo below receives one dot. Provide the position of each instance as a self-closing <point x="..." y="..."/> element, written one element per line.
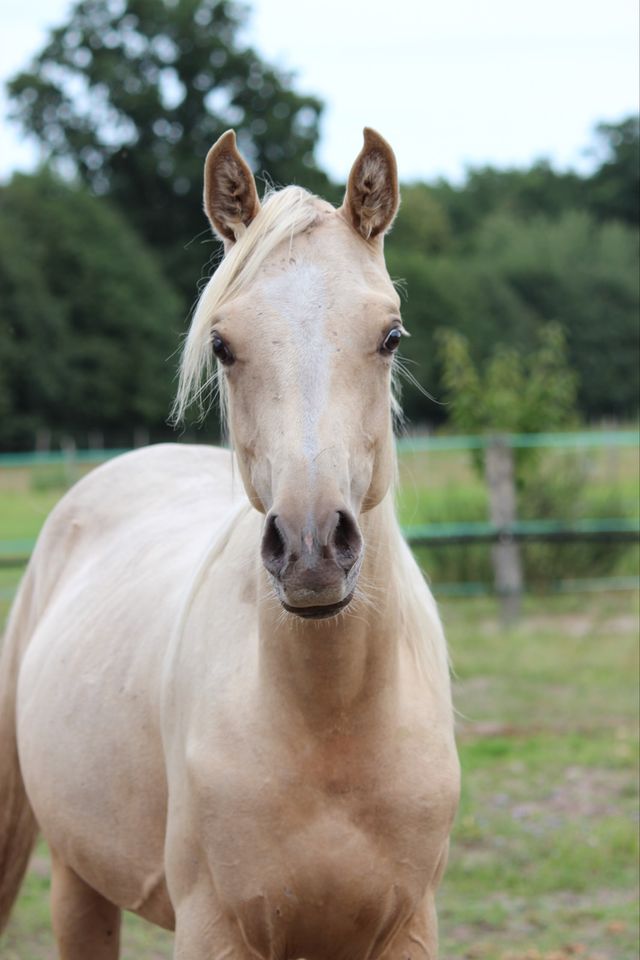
<point x="545" y="848"/>
<point x="544" y="851"/>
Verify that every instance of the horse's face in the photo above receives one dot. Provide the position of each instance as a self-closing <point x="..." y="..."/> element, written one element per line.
<point x="307" y="348"/>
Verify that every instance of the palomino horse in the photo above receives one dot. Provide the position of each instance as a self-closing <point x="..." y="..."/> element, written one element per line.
<point x="229" y="710"/>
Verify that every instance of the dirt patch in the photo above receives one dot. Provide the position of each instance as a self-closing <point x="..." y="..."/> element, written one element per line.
<point x="572" y="624"/>
<point x="559" y="926"/>
<point x="584" y="792"/>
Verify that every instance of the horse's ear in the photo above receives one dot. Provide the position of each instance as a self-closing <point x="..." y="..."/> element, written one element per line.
<point x="372" y="198"/>
<point x="230" y="196"/>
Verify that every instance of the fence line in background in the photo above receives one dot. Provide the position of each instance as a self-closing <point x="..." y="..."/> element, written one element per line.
<point x="504" y="531"/>
<point x="570" y="440"/>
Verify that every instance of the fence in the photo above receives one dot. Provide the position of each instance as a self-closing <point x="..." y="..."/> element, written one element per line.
<point x="503" y="530"/>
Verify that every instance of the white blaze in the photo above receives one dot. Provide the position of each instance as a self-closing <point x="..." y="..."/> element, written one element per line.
<point x="300" y="293"/>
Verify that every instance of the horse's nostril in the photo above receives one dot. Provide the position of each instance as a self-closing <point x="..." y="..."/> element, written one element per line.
<point x="273" y="547"/>
<point x="347" y="541"/>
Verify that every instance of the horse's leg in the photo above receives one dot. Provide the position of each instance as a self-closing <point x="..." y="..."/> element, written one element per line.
<point x="85" y="924"/>
<point x="205" y="932"/>
<point x="418" y="939"/>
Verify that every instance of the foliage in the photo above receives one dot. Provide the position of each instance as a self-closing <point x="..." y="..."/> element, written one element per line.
<point x="132" y="95"/>
<point x="423" y="223"/>
<point x="534" y="393"/>
<point x="614" y="189"/>
<point x="538" y="190"/>
<point x="584" y="276"/>
<point x="610" y="192"/>
<point x="508" y="251"/>
<point x="514" y="278"/>
<point x="87" y="322"/>
<point x="511" y="393"/>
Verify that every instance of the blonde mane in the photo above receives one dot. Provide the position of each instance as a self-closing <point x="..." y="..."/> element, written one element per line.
<point x="284" y="213"/>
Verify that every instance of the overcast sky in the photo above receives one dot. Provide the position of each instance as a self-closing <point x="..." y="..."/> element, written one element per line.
<point x="449" y="84"/>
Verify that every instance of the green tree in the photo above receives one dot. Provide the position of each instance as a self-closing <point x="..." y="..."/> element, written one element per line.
<point x="422" y="224"/>
<point x="536" y="190"/>
<point x="527" y="392"/>
<point x="611" y="192"/>
<point x="515" y="276"/>
<point x="614" y="188"/>
<point x="132" y="95"/>
<point x="583" y="275"/>
<point x="88" y="322"/>
<point x="510" y="392"/>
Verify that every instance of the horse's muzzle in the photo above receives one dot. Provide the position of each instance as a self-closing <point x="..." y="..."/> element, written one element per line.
<point x="314" y="568"/>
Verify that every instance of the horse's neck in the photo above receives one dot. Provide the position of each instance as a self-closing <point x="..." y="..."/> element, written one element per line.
<point x="341" y="670"/>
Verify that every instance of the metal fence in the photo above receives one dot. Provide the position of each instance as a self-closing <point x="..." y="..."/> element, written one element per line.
<point x="503" y="530"/>
<point x="613" y="529"/>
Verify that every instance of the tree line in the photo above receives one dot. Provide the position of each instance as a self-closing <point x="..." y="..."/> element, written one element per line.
<point x="101" y="250"/>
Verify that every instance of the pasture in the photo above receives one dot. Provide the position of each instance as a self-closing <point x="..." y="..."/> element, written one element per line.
<point x="544" y="851"/>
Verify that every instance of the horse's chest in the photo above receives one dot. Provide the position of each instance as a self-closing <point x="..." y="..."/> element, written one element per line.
<point x="333" y="848"/>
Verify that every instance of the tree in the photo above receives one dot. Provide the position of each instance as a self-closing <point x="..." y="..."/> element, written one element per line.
<point x="422" y="224"/>
<point x="515" y="276"/>
<point x="614" y="188"/>
<point x="510" y="393"/>
<point x="611" y="192"/>
<point x="132" y="95"/>
<point x="536" y="190"/>
<point x="532" y="392"/>
<point x="583" y="275"/>
<point x="88" y="322"/>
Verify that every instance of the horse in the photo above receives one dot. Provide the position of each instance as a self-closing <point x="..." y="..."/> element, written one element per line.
<point x="224" y="690"/>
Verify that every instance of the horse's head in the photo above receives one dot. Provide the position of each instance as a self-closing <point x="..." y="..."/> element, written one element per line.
<point x="303" y="321"/>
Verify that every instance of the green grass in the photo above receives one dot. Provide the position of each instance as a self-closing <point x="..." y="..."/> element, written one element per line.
<point x="22" y="512"/>
<point x="545" y="848"/>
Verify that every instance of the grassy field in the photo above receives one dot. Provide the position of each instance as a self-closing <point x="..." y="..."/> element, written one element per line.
<point x="545" y="846"/>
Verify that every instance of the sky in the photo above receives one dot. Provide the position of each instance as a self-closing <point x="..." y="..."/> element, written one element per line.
<point x="451" y="84"/>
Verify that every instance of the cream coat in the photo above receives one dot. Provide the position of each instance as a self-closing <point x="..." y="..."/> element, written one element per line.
<point x="269" y="786"/>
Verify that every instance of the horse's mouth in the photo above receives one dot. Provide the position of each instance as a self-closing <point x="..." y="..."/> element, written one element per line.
<point x="319" y="613"/>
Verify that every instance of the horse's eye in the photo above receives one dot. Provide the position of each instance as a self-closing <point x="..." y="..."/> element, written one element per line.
<point x="391" y="341"/>
<point x="221" y="350"/>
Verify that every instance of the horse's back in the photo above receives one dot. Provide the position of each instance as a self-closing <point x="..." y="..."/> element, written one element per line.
<point x="109" y="576"/>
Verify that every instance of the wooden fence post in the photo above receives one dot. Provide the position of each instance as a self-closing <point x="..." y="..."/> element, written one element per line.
<point x="507" y="563"/>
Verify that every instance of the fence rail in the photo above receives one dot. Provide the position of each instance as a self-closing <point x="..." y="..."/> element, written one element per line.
<point x="15" y="553"/>
<point x="504" y="531"/>
<point x="570" y="440"/>
<point x="613" y="530"/>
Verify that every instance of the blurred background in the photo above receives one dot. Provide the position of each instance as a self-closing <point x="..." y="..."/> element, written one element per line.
<point x="516" y="254"/>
